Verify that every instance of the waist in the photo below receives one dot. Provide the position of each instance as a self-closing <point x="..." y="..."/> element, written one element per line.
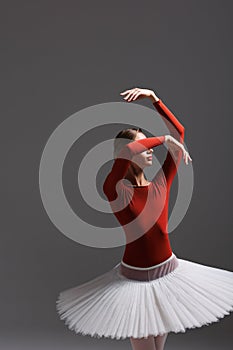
<point x="147" y="268"/>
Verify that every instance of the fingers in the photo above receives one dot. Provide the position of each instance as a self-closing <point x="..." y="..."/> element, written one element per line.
<point x="186" y="157"/>
<point x="127" y="97"/>
<point x="126" y="91"/>
<point x="134" y="96"/>
<point x="131" y="95"/>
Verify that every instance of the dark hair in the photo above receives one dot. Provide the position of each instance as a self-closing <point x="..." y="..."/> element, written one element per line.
<point x="126" y="135"/>
<point x="123" y="137"/>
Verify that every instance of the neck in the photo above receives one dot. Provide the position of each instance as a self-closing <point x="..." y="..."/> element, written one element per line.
<point x="136" y="177"/>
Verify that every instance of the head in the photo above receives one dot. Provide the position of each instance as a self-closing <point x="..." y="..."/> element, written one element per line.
<point x="139" y="161"/>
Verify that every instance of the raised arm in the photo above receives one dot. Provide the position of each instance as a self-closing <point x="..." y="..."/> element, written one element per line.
<point x="172" y="161"/>
<point x="169" y="167"/>
<point x="122" y="162"/>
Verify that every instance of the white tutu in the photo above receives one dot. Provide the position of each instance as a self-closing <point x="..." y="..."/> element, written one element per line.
<point x="111" y="305"/>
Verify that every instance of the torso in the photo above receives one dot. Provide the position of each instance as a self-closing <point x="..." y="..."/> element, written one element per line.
<point x="143" y="210"/>
<point x="144" y="220"/>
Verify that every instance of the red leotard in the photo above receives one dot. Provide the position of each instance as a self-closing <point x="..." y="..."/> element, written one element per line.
<point x="143" y="210"/>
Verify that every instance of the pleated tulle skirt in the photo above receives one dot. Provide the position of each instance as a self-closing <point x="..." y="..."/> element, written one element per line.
<point x="128" y="302"/>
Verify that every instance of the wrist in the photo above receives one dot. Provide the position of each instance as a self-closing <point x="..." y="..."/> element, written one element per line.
<point x="167" y="138"/>
<point x="153" y="97"/>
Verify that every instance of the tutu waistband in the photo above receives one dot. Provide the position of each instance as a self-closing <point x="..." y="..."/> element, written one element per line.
<point x="147" y="268"/>
<point x="152" y="273"/>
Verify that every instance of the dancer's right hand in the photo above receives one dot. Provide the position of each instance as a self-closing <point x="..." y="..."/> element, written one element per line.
<point x="175" y="145"/>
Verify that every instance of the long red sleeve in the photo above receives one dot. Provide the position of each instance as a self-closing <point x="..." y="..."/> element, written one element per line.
<point x="171" y="163"/>
<point x="169" y="119"/>
<point x="120" y="166"/>
<point x="142" y="211"/>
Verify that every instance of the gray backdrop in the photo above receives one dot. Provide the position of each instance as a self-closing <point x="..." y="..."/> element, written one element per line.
<point x="58" y="57"/>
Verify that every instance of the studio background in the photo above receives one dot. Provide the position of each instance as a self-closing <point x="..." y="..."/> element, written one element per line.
<point x="58" y="57"/>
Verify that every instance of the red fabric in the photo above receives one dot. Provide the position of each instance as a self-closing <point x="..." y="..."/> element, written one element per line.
<point x="143" y="210"/>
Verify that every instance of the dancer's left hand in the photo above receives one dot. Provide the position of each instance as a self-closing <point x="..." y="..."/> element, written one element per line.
<point x="137" y="93"/>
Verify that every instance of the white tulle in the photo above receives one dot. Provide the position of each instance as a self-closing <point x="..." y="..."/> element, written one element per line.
<point x="113" y="306"/>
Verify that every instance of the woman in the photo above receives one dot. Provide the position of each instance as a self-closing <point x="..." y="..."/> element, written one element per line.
<point x="151" y="292"/>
